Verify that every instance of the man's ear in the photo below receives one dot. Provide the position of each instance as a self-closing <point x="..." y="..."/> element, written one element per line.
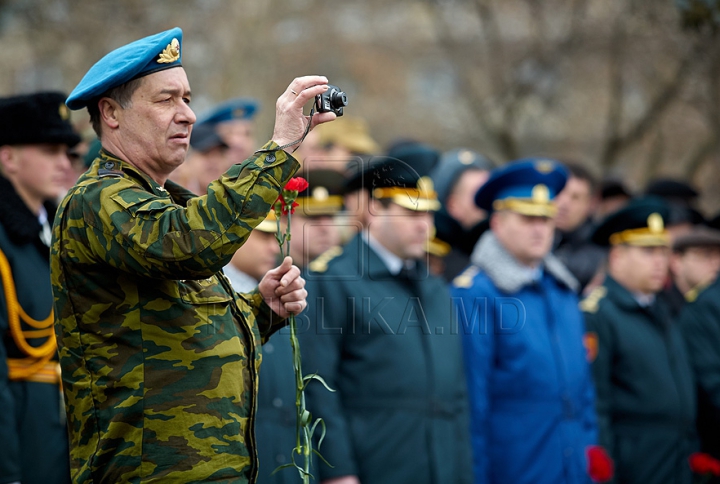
<point x="109" y="112"/>
<point x="8" y="160"/>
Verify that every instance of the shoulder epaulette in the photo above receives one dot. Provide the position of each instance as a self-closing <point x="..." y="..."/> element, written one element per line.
<point x="465" y="279"/>
<point x="591" y="303"/>
<point x="102" y="173"/>
<point x="320" y="264"/>
<point x="693" y="293"/>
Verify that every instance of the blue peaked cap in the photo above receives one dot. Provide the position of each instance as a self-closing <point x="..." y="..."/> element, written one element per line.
<point x="136" y="59"/>
<point x="518" y="179"/>
<point x="237" y="108"/>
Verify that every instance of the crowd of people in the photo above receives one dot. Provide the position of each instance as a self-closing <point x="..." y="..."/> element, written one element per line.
<point x="478" y="321"/>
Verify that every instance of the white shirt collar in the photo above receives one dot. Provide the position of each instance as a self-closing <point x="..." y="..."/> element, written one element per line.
<point x="393" y="263"/>
<point x="240" y="281"/>
<point x="644" y="300"/>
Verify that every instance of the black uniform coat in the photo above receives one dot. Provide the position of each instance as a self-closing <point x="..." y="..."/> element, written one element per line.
<point x="387" y="345"/>
<point x="700" y="325"/>
<point x="33" y="436"/>
<point x="644" y="384"/>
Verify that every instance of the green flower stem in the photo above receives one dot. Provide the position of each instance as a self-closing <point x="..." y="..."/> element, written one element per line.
<point x="303" y="431"/>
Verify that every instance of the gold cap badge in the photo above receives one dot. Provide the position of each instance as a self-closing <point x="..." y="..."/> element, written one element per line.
<point x="64" y="112"/>
<point x="320" y="194"/>
<point x="425" y="184"/>
<point x="466" y="157"/>
<point x="655" y="223"/>
<point x="544" y="166"/>
<point x="540" y="194"/>
<point x="171" y="53"/>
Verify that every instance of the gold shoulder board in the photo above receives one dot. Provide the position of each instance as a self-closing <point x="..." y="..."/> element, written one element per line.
<point x="465" y="279"/>
<point x="321" y="263"/>
<point x="591" y="303"/>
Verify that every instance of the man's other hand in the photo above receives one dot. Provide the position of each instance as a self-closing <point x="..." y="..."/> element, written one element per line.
<point x="284" y="289"/>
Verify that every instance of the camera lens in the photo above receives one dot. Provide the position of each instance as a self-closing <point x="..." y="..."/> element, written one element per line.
<point x="338" y="99"/>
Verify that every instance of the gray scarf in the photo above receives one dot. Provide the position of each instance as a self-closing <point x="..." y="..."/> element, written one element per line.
<point x="507" y="273"/>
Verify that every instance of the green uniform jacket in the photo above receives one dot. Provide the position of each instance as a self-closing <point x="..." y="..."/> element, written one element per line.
<point x="700" y="325"/>
<point x="644" y="384"/>
<point x="33" y="435"/>
<point x="159" y="356"/>
<point x="390" y="349"/>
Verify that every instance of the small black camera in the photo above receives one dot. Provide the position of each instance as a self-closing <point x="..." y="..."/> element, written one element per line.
<point x="331" y="100"/>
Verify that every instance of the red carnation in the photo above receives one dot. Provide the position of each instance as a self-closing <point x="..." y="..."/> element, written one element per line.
<point x="701" y="463"/>
<point x="296" y="184"/>
<point x="600" y="465"/>
<point x="282" y="208"/>
<point x="288" y="195"/>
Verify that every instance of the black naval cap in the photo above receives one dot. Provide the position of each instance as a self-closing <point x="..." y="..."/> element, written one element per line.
<point x="640" y="223"/>
<point x="36" y="119"/>
<point x="671" y="189"/>
<point x="324" y="195"/>
<point x="420" y="156"/>
<point x="390" y="178"/>
<point x="612" y="187"/>
<point x="204" y="137"/>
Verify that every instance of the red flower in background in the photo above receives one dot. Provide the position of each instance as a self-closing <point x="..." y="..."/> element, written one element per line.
<point x="701" y="463"/>
<point x="600" y="466"/>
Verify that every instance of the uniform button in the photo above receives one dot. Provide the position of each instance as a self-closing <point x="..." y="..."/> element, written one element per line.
<point x="270" y="158"/>
<point x="277" y="403"/>
<point x="568" y="452"/>
<point x="268" y="348"/>
<point x="280" y="459"/>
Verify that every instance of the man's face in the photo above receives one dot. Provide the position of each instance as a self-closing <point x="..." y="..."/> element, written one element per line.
<point x="314" y="236"/>
<point x="37" y="171"/>
<point x="239" y="135"/>
<point x="574" y="204"/>
<point x="461" y="202"/>
<point x="640" y="269"/>
<point x="155" y="129"/>
<point x="528" y="239"/>
<point x="211" y="166"/>
<point x="403" y="232"/>
<point x="258" y="255"/>
<point x="695" y="266"/>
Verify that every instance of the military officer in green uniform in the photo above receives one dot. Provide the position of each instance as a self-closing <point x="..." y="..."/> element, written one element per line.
<point x="381" y="334"/>
<point x="700" y="325"/>
<point x="35" y="134"/>
<point x="160" y="356"/>
<point x="644" y="382"/>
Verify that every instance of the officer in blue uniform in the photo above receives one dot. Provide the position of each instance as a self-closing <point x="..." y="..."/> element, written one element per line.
<point x="380" y="334"/>
<point x="531" y="394"/>
<point x="645" y="384"/>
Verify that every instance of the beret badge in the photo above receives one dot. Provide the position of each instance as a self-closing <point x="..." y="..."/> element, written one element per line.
<point x="171" y="53"/>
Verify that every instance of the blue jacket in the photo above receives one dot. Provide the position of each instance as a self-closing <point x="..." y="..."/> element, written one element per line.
<point x="530" y="387"/>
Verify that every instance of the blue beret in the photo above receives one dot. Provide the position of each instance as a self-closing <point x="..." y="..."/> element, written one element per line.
<point x="136" y="59"/>
<point x="535" y="182"/>
<point x="238" y="108"/>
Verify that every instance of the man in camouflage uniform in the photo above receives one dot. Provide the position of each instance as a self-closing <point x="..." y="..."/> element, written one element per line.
<point x="160" y="356"/>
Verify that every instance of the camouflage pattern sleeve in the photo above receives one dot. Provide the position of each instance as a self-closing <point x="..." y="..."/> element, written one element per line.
<point x="159" y="356"/>
<point x="137" y="227"/>
<point x="267" y="321"/>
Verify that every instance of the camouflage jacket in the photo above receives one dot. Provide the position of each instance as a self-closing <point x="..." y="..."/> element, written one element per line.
<point x="154" y="343"/>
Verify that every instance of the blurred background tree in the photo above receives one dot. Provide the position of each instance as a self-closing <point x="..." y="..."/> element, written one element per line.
<point x="630" y="88"/>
